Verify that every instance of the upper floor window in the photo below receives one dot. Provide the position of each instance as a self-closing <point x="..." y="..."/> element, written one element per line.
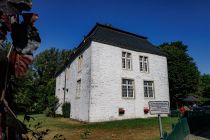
<point x="68" y="73"/>
<point x="149" y="89"/>
<point x="78" y="88"/>
<point x="126" y="60"/>
<point x="80" y="60"/>
<point x="127" y="88"/>
<point x="144" y="64"/>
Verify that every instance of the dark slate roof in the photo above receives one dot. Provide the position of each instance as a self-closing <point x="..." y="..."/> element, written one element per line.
<point x="116" y="37"/>
<point x="112" y="36"/>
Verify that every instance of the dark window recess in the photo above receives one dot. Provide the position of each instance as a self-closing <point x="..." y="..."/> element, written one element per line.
<point x="121" y="111"/>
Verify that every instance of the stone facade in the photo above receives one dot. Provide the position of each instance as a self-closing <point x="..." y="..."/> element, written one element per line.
<point x="100" y="95"/>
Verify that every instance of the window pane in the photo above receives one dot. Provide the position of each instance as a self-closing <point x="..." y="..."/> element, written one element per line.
<point x="130" y="92"/>
<point x="123" y="63"/>
<point x="141" y="66"/>
<point x="123" y="54"/>
<point x="150" y="93"/>
<point x="129" y="82"/>
<point x="124" y="91"/>
<point x="149" y="83"/>
<point x="145" y="92"/>
<point x="145" y="67"/>
<point x="128" y="55"/>
<point x="130" y="89"/>
<point x="145" y="59"/>
<point x="128" y="64"/>
<point x="141" y="58"/>
<point x="124" y="81"/>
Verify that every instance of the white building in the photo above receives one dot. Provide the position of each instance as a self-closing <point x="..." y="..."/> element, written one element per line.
<point x="112" y="76"/>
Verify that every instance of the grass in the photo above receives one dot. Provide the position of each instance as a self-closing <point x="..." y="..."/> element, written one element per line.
<point x="142" y="129"/>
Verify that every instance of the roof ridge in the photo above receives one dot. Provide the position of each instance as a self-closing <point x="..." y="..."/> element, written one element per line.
<point x="120" y="30"/>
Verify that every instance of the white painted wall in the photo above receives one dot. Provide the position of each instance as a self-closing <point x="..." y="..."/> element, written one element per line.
<point x="101" y="78"/>
<point x="79" y="106"/>
<point x="106" y="77"/>
<point x="59" y="92"/>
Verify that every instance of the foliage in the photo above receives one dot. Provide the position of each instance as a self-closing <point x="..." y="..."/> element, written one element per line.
<point x="66" y="109"/>
<point x="36" y="89"/>
<point x="85" y="134"/>
<point x="59" y="137"/>
<point x="182" y="70"/>
<point x="52" y="107"/>
<point x="204" y="88"/>
<point x="205" y="85"/>
<point x="25" y="93"/>
<point x="37" y="133"/>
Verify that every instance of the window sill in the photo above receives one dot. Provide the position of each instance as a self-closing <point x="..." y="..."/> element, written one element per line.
<point x="147" y="72"/>
<point x="128" y="98"/>
<point x="149" y="98"/>
<point x="127" y="69"/>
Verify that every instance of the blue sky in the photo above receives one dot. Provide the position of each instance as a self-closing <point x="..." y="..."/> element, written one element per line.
<point x="63" y="23"/>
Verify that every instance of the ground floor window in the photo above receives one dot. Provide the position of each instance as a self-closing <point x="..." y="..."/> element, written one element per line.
<point x="127" y="88"/>
<point x="149" y="89"/>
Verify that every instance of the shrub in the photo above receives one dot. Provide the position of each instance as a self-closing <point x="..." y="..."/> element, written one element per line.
<point x="52" y="107"/>
<point x="66" y="109"/>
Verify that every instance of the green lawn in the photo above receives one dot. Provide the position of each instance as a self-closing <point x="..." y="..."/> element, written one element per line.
<point x="134" y="129"/>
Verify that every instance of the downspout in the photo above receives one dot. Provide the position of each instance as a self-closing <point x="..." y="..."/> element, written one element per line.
<point x="90" y="76"/>
<point x="64" y="96"/>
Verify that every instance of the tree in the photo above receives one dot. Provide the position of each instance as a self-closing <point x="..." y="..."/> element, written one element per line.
<point x="204" y="87"/>
<point x="37" y="87"/>
<point x="182" y="70"/>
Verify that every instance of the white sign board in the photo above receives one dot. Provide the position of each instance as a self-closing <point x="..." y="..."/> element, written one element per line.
<point x="159" y="107"/>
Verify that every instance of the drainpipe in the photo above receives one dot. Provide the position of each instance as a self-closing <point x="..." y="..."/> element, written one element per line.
<point x="64" y="96"/>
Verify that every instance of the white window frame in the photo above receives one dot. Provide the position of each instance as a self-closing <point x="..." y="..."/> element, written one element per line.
<point x="149" y="89"/>
<point x="128" y="86"/>
<point x="78" y="88"/>
<point x="127" y="61"/>
<point x="143" y="63"/>
<point x="80" y="62"/>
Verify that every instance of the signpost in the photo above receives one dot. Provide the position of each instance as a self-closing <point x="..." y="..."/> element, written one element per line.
<point x="159" y="107"/>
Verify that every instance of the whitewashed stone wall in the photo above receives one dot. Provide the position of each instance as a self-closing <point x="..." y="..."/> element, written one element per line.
<point x="106" y="77"/>
<point x="101" y="77"/>
<point x="79" y="106"/>
<point x="59" y="92"/>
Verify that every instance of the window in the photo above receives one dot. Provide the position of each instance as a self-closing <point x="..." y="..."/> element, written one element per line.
<point x="78" y="89"/>
<point x="144" y="65"/>
<point x="149" y="89"/>
<point x="126" y="60"/>
<point x="68" y="73"/>
<point x="127" y="88"/>
<point x="80" y="59"/>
